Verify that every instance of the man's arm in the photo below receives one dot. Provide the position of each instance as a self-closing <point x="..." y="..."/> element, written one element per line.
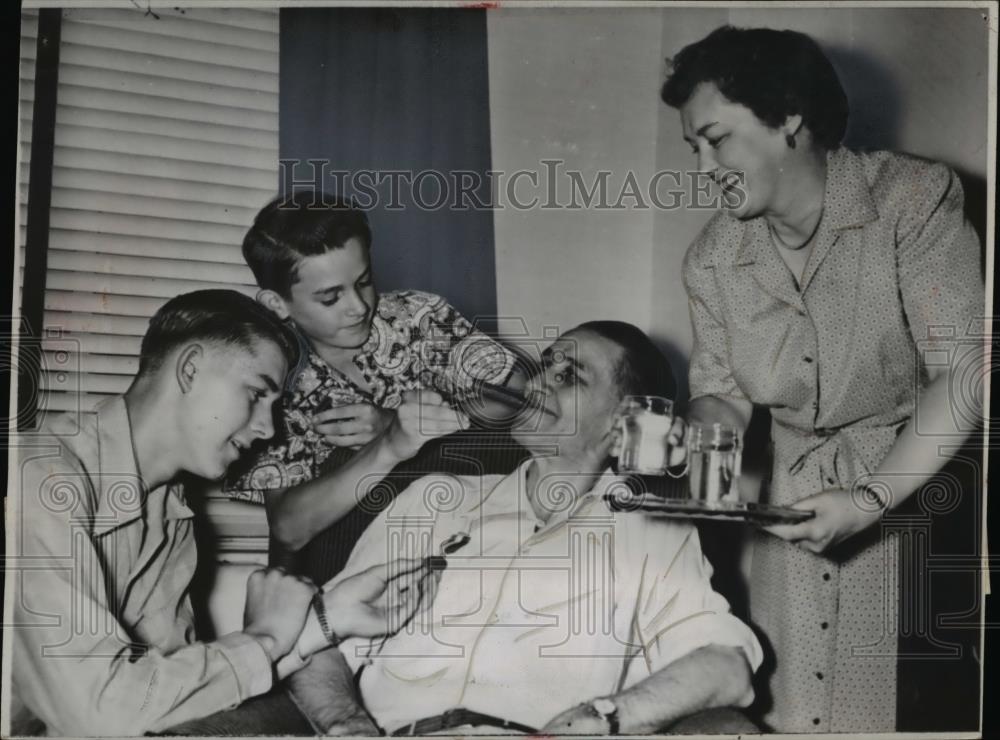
<point x="689" y="653"/>
<point x="324" y="689"/>
<point x="709" y="677"/>
<point x="324" y="692"/>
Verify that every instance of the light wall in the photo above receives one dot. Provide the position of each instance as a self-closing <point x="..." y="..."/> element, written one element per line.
<point x="574" y="85"/>
<point x="583" y="85"/>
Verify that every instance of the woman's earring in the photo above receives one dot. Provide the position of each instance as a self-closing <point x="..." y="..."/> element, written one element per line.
<point x="790" y="140"/>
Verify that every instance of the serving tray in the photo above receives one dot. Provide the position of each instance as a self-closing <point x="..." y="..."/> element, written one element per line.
<point x="682" y="508"/>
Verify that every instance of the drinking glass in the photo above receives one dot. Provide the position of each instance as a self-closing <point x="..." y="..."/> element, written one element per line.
<point x="645" y="426"/>
<point x="715" y="454"/>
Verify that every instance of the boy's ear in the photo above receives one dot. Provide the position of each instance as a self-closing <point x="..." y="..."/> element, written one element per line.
<point x="274" y="302"/>
<point x="186" y="368"/>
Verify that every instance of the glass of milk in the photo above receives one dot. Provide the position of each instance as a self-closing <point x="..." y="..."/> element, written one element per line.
<point x="645" y="425"/>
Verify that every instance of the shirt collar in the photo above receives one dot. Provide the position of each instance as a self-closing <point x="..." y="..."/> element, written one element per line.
<point x="847" y="203"/>
<point x="308" y="357"/>
<point x="305" y="357"/>
<point x="605" y="483"/>
<point x="122" y="496"/>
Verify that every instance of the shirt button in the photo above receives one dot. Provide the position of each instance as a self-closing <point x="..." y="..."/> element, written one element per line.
<point x="815" y="720"/>
<point x="819" y="675"/>
<point x="807" y="359"/>
<point x="824" y="625"/>
<point x="830" y="481"/>
<point x="826" y="576"/>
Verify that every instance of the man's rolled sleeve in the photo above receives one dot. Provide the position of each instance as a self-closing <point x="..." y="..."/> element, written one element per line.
<point x="677" y="610"/>
<point x="250" y="663"/>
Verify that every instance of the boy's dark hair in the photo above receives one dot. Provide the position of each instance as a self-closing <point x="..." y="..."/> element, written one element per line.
<point x="303" y="224"/>
<point x="775" y="74"/>
<point x="223" y="316"/>
<point x="642" y="369"/>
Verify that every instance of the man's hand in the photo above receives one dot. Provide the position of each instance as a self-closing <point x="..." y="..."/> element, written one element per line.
<point x="276" y="608"/>
<point x="838" y="516"/>
<point x="353" y="424"/>
<point x="379" y="600"/>
<point x="422" y="416"/>
<point x="579" y="720"/>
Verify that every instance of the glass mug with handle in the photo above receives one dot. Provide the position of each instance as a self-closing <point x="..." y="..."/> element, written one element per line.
<point x="645" y="423"/>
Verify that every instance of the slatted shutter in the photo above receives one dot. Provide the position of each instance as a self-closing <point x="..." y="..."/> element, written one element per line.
<point x="166" y="145"/>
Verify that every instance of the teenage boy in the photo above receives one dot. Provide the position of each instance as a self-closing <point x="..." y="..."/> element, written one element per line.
<point x="379" y="374"/>
<point x="102" y="637"/>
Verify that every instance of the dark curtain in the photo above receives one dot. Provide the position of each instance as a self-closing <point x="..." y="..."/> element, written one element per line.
<point x="386" y="89"/>
<point x="392" y="89"/>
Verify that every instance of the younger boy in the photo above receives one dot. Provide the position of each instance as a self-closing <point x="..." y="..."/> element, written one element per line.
<point x="378" y="376"/>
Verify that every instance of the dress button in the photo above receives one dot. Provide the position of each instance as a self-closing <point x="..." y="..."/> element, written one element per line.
<point x="830" y="481"/>
<point x="815" y="720"/>
<point x="824" y="625"/>
<point x="807" y="359"/>
<point x="819" y="675"/>
<point x="826" y="576"/>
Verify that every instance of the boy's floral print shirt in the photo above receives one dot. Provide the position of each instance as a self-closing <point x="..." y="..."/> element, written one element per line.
<point x="417" y="341"/>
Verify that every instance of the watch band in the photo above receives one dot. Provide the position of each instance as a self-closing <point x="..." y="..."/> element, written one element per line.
<point x="319" y="607"/>
<point x="608" y="711"/>
<point x="612" y="722"/>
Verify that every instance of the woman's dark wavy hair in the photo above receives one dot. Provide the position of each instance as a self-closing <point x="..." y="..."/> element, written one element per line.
<point x="775" y="74"/>
<point x="303" y="224"/>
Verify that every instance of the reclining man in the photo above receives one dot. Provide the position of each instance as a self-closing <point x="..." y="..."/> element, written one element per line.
<point x="553" y="614"/>
<point x="103" y="628"/>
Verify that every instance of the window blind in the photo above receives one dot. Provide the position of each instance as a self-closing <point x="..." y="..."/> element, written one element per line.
<point x="166" y="145"/>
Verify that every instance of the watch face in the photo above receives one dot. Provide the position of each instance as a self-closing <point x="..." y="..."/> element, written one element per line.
<point x="604" y="706"/>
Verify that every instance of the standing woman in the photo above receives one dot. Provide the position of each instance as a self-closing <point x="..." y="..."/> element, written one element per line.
<point x="809" y="295"/>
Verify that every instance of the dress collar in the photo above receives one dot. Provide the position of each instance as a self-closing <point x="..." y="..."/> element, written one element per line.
<point x="847" y="203"/>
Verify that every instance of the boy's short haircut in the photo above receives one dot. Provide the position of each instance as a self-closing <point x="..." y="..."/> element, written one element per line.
<point x="221" y="316"/>
<point x="303" y="224"/>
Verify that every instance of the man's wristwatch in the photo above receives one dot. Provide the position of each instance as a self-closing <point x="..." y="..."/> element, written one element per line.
<point x="607" y="710"/>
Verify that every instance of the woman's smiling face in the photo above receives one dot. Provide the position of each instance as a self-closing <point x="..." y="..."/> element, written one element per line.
<point x="743" y="156"/>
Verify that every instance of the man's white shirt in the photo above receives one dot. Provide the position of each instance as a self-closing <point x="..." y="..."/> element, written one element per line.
<point x="531" y="618"/>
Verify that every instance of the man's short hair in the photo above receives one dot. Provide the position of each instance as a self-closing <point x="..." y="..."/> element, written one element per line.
<point x="221" y="316"/>
<point x="775" y="74"/>
<point x="303" y="224"/>
<point x="642" y="370"/>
